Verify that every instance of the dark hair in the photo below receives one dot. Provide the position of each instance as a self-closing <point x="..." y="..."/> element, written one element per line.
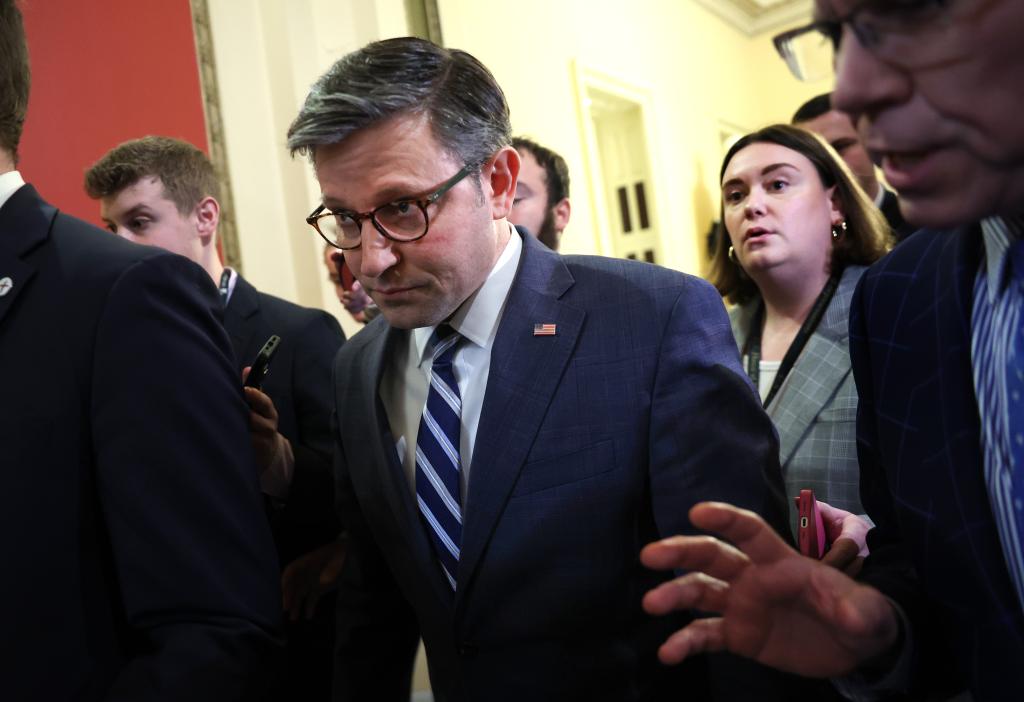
<point x="813" y="108"/>
<point x="406" y="76"/>
<point x="556" y="171"/>
<point x="15" y="77"/>
<point x="185" y="171"/>
<point x="867" y="234"/>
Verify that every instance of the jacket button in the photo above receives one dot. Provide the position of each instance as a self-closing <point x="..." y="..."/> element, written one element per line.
<point x="468" y="649"/>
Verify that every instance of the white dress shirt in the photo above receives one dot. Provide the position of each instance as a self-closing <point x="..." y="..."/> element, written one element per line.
<point x="403" y="389"/>
<point x="9" y="183"/>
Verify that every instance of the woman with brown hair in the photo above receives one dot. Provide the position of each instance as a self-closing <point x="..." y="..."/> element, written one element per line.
<point x="798" y="232"/>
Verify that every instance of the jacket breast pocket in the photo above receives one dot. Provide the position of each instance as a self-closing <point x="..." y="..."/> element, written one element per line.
<point x="566" y="468"/>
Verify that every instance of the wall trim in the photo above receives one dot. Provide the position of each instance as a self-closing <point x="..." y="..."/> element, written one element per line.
<point x="227" y="229"/>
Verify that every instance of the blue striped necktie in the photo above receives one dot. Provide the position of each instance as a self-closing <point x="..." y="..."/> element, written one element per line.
<point x="437" y="455"/>
<point x="1015" y="386"/>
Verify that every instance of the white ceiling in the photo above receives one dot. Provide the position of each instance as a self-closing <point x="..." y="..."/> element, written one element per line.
<point x="756" y="16"/>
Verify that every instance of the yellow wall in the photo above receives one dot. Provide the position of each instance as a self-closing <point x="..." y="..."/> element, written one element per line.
<point x="700" y="73"/>
<point x="699" y="70"/>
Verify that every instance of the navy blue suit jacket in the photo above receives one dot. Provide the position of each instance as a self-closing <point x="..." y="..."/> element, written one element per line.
<point x="935" y="549"/>
<point x="591" y="443"/>
<point x="137" y="560"/>
<point x="299" y="383"/>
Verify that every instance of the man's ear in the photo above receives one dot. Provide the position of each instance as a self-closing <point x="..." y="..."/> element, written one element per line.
<point x="500" y="175"/>
<point x="561" y="213"/>
<point x="207" y="214"/>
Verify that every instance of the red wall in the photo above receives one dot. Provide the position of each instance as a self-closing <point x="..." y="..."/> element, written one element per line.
<point x="104" y="71"/>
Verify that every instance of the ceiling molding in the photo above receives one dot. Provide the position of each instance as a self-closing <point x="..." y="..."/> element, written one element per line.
<point x="753" y="17"/>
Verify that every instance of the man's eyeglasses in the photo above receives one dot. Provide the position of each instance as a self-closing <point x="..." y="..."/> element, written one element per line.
<point x="898" y="32"/>
<point x="401" y="220"/>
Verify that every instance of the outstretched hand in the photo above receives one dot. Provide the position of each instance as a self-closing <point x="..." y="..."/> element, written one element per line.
<point x="776" y="606"/>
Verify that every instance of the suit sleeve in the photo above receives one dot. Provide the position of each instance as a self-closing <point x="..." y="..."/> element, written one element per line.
<point x="192" y="554"/>
<point x="889" y="567"/>
<point x="312" y="486"/>
<point x="377" y="632"/>
<point x="710" y="439"/>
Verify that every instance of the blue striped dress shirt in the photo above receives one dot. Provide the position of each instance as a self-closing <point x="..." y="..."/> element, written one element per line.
<point x="995" y="323"/>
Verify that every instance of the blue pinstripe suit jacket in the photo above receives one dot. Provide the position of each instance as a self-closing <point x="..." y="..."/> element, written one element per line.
<point x="591" y="443"/>
<point x="935" y="549"/>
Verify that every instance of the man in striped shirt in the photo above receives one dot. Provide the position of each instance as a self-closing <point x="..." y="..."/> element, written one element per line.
<point x="938" y="354"/>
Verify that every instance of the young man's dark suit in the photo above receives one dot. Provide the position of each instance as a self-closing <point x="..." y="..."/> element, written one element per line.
<point x="137" y="560"/>
<point x="591" y="443"/>
<point x="299" y="383"/>
<point x="922" y="478"/>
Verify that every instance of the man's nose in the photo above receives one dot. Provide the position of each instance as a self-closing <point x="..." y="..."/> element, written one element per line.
<point x="866" y="84"/>
<point x="377" y="252"/>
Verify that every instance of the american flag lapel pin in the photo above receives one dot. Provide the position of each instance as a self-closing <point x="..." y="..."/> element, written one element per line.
<point x="543" y="329"/>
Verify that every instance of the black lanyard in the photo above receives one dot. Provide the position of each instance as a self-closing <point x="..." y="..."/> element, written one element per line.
<point x="753" y="347"/>
<point x="225" y="280"/>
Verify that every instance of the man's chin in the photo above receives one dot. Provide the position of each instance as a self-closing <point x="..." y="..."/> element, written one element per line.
<point x="407" y="316"/>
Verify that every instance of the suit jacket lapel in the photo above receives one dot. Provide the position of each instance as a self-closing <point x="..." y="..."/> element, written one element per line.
<point x="243" y="304"/>
<point x="525" y="371"/>
<point x="25" y="222"/>
<point x="384" y="458"/>
<point x="818" y="372"/>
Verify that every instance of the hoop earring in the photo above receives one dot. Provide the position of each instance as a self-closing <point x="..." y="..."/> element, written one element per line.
<point x="838" y="230"/>
<point x="732" y="256"/>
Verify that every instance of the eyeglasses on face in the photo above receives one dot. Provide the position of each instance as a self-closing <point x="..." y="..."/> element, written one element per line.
<point x="899" y="32"/>
<point x="402" y="220"/>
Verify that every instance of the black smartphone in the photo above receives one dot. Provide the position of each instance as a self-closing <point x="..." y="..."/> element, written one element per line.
<point x="261" y="364"/>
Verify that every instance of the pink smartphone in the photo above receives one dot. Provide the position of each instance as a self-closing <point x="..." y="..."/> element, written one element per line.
<point x="811" y="536"/>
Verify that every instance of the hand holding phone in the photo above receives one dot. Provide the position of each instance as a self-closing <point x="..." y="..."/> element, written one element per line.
<point x="261" y="364"/>
<point x="811" y="535"/>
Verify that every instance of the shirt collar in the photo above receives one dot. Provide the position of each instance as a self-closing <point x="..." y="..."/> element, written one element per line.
<point x="477" y="318"/>
<point x="997" y="233"/>
<point x="880" y="195"/>
<point x="9" y="183"/>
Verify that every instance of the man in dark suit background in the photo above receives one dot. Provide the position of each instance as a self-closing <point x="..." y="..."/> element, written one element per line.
<point x="937" y="339"/>
<point x="137" y="562"/>
<point x="517" y="423"/>
<point x="163" y="192"/>
<point x="817" y="115"/>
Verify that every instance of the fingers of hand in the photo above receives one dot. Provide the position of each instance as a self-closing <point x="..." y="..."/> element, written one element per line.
<point x="697" y="637"/>
<point x="854" y="567"/>
<point x="742" y="527"/>
<point x="842" y="554"/>
<point x="704" y="553"/>
<point x="259" y="402"/>
<point x="691" y="591"/>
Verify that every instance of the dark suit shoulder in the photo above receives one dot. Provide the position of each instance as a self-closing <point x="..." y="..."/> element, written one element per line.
<point x="88" y="256"/>
<point x="638" y="286"/>
<point x="288" y="315"/>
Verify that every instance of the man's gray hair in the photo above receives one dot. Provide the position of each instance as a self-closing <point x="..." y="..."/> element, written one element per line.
<point x="407" y="76"/>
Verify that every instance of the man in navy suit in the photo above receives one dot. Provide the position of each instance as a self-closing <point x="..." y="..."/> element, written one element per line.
<point x="138" y="564"/>
<point x="160" y="191"/>
<point x="517" y="424"/>
<point x="817" y="115"/>
<point x="937" y="338"/>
